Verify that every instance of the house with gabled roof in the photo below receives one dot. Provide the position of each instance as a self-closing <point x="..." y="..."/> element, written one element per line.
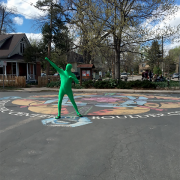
<point x="143" y="67"/>
<point x="11" y="51"/>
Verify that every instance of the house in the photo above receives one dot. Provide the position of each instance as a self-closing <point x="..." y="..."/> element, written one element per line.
<point x="143" y="67"/>
<point x="76" y="60"/>
<point x="11" y="51"/>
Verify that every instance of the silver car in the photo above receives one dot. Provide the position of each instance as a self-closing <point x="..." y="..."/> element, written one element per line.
<point x="175" y="75"/>
<point x="124" y="75"/>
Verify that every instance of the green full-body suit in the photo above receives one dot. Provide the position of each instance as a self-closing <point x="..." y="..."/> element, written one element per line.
<point x="66" y="82"/>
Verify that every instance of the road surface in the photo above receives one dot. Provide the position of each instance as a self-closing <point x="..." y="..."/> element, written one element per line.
<point x="121" y="137"/>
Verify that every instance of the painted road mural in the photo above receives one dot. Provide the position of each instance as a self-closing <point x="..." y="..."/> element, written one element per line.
<point x="91" y="106"/>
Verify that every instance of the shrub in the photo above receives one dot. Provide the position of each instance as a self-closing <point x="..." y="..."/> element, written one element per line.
<point x="165" y="84"/>
<point x="87" y="84"/>
<point x="148" y="84"/>
<point x="99" y="84"/>
<point x="108" y="74"/>
<point x="112" y="83"/>
<point x="124" y="85"/>
<point x="135" y="84"/>
<point x="105" y="84"/>
<point x="76" y="86"/>
<point x="160" y="84"/>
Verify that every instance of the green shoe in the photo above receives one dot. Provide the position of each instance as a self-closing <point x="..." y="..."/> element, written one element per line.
<point x="57" y="117"/>
<point x="79" y="115"/>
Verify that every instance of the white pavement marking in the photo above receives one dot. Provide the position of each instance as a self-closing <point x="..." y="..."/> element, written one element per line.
<point x="20" y="124"/>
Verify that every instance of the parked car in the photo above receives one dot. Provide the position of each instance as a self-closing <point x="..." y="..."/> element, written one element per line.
<point x="175" y="75"/>
<point x="43" y="74"/>
<point x="124" y="75"/>
<point x="77" y="75"/>
<point x="56" y="74"/>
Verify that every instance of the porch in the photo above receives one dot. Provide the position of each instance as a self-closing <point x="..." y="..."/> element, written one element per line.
<point x="20" y="69"/>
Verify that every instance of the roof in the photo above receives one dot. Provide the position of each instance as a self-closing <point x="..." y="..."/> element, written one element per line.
<point x="86" y="66"/>
<point x="73" y="57"/>
<point x="5" y="36"/>
<point x="10" y="43"/>
<point x="16" y="56"/>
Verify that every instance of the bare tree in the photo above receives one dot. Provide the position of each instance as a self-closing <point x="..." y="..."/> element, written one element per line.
<point x="123" y="19"/>
<point x="6" y="19"/>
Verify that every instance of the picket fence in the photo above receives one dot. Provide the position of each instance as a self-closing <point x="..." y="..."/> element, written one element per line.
<point x="9" y="80"/>
<point x="44" y="80"/>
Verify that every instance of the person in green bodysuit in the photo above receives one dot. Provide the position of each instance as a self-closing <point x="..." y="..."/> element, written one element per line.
<point x="66" y="82"/>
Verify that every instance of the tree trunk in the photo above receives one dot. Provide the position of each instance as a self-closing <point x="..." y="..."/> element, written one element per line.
<point x="2" y="21"/>
<point x="49" y="57"/>
<point x="117" y="59"/>
<point x="49" y="43"/>
<point x="85" y="56"/>
<point x="113" y="74"/>
<point x="89" y="57"/>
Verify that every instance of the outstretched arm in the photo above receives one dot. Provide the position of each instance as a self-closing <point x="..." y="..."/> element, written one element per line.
<point x="54" y="66"/>
<point x="73" y="77"/>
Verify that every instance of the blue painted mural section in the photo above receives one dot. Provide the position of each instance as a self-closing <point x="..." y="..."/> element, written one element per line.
<point x="10" y="97"/>
<point x="74" y="121"/>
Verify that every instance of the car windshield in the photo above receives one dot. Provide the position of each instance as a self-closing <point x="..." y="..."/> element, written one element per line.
<point x="123" y="73"/>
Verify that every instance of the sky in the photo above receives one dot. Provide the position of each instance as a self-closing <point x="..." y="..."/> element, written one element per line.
<point x="25" y="22"/>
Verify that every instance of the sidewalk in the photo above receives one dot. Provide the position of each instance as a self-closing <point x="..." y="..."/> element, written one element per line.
<point x="43" y="89"/>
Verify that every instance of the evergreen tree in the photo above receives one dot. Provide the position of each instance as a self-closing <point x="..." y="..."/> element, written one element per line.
<point x="53" y="28"/>
<point x="154" y="55"/>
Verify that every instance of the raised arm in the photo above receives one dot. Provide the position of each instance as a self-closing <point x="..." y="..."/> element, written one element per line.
<point x="54" y="66"/>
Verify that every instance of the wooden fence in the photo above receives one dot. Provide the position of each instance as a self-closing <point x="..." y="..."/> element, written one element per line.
<point x="18" y="81"/>
<point x="43" y="81"/>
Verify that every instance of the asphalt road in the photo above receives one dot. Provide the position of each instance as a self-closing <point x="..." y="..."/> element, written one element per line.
<point x="121" y="137"/>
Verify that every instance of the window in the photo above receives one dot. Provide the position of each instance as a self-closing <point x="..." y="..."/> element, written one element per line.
<point x="143" y="64"/>
<point x="21" y="48"/>
<point x="22" y="45"/>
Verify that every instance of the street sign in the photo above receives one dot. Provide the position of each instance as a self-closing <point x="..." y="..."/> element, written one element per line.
<point x="3" y="63"/>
